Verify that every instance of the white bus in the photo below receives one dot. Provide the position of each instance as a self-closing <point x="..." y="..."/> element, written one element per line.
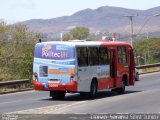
<point x="83" y="67"/>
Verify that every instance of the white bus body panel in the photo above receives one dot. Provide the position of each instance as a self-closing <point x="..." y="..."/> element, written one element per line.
<point x="86" y="74"/>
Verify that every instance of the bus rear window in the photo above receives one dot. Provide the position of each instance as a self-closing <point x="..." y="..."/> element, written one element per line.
<point x="43" y="71"/>
<point x="54" y="51"/>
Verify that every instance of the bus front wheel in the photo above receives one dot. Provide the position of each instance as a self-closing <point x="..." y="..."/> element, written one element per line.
<point x="120" y="90"/>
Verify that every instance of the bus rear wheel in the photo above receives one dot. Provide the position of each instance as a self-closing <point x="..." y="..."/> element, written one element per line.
<point x="57" y="94"/>
<point x="93" y="89"/>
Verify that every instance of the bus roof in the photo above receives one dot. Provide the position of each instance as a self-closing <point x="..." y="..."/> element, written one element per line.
<point x="88" y="43"/>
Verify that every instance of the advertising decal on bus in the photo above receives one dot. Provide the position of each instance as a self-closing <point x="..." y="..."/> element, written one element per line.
<point x="54" y="63"/>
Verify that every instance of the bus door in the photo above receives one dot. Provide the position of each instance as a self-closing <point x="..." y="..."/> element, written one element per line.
<point x="113" y="67"/>
<point x="131" y="66"/>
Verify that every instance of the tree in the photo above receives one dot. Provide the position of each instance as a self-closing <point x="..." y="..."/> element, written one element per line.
<point x="79" y="33"/>
<point x="16" y="53"/>
<point x="148" y="50"/>
<point x="66" y="37"/>
<point x="3" y="27"/>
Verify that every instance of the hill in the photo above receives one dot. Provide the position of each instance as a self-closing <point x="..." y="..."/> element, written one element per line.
<point x="103" y="18"/>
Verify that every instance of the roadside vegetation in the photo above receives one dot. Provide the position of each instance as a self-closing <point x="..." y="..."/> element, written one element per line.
<point x="147" y="51"/>
<point x="79" y="33"/>
<point x="16" y="51"/>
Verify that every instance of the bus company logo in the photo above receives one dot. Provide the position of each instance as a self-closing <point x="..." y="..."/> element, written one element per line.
<point x="46" y="48"/>
<point x="48" y="52"/>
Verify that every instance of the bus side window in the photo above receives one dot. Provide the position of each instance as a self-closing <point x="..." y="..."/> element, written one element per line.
<point x="82" y="56"/>
<point x="122" y="58"/>
<point x="103" y="55"/>
<point x="93" y="56"/>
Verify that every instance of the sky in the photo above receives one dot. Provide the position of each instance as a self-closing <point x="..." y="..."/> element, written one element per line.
<point x="12" y="11"/>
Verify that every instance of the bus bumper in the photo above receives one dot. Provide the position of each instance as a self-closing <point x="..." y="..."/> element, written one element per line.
<point x="69" y="87"/>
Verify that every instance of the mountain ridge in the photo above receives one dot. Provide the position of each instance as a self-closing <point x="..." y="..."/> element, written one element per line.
<point x="107" y="18"/>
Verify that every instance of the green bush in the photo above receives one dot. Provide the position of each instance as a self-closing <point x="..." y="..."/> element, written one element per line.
<point x="148" y="50"/>
<point x="16" y="52"/>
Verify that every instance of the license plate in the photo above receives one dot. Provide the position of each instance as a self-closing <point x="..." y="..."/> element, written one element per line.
<point x="53" y="85"/>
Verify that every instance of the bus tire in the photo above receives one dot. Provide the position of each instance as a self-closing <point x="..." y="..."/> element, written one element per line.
<point x="57" y="94"/>
<point x="123" y="87"/>
<point x="137" y="76"/>
<point x="120" y="90"/>
<point x="93" y="89"/>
